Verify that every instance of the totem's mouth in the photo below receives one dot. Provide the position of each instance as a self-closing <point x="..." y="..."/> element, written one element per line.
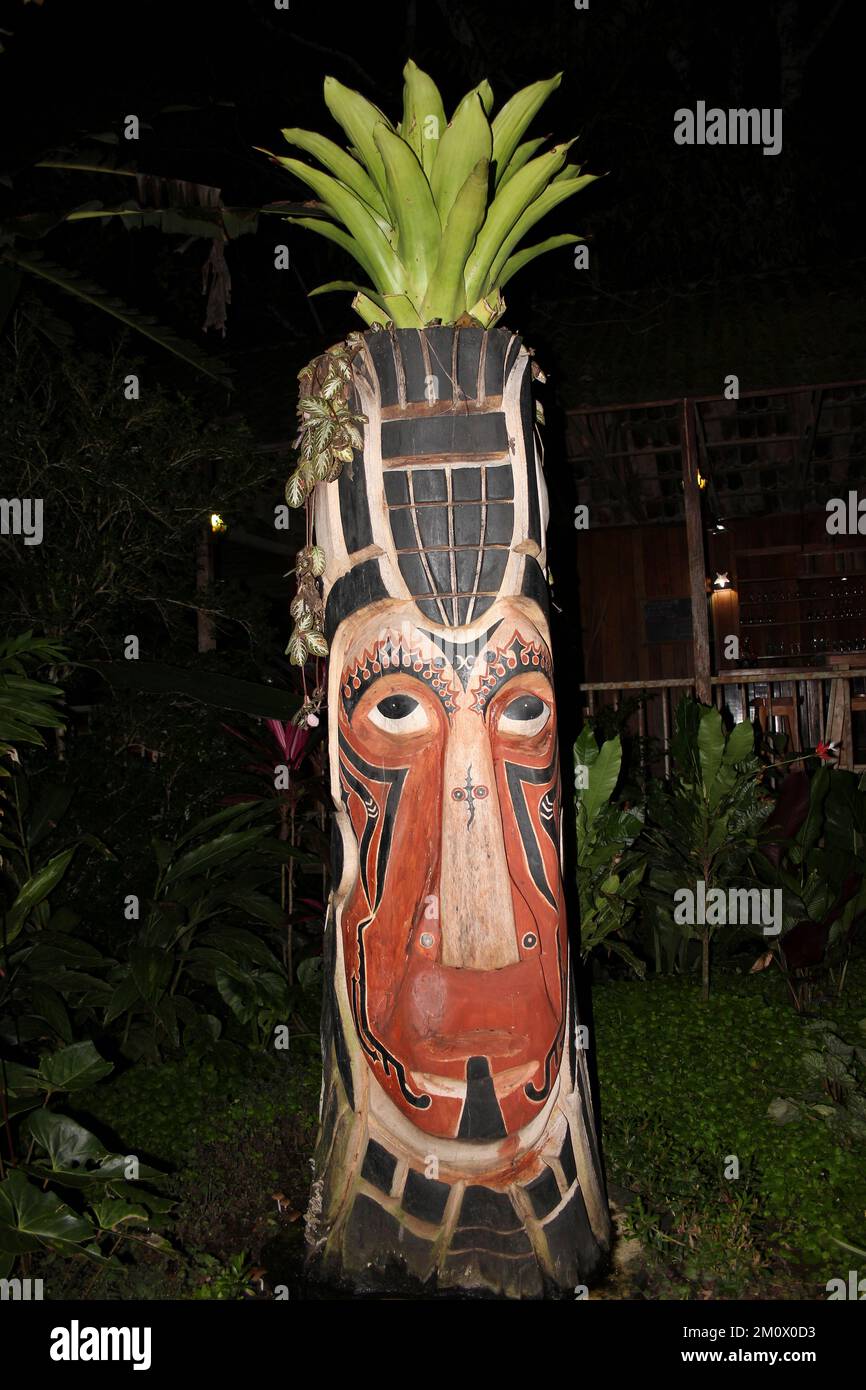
<point x="505" y="1080"/>
<point x="425" y="1025"/>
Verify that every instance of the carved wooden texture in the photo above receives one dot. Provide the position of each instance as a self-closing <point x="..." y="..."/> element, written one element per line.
<point x="457" y="1143"/>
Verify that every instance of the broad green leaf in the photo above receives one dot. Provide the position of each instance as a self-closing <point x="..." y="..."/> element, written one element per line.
<point x="387" y="272"/>
<point x="113" y="1213"/>
<point x="18" y="1079"/>
<point x="511" y="123"/>
<point x="603" y="775"/>
<point x="741" y="743"/>
<point x="466" y="141"/>
<point x="423" y="115"/>
<point x="359" y="118"/>
<point x="35" y="890"/>
<point x="258" y="905"/>
<point x="241" y="945"/>
<point x="125" y="995"/>
<point x="311" y="973"/>
<point x="586" y="748"/>
<point x="348" y="170"/>
<point x="711" y="745"/>
<point x="75" y="1157"/>
<point x="810" y="831"/>
<point x="216" y="852"/>
<point x="69" y="1145"/>
<point x="240" y="995"/>
<point x="47" y="1003"/>
<point x="239" y="812"/>
<point x="445" y="298"/>
<point x="151" y="971"/>
<point x="29" y="1216"/>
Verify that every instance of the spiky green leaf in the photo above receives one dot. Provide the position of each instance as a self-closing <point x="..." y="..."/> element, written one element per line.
<point x="423" y="121"/>
<point x="515" y="117"/>
<point x="340" y="164"/>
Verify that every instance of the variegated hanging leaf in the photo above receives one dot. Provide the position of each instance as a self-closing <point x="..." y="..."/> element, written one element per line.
<point x="296" y="651"/>
<point x="296" y="490"/>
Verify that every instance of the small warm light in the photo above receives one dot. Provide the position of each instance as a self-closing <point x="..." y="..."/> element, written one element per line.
<point x="702" y="482"/>
<point x="216" y="522"/>
<point x="720" y="526"/>
<point x="721" y="581"/>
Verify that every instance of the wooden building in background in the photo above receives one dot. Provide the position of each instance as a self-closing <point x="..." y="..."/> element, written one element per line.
<point x="765" y="610"/>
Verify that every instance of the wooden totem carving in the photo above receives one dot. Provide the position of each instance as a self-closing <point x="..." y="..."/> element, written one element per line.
<point x="457" y="1142"/>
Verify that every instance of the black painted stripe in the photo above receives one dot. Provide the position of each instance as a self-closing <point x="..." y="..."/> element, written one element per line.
<point x="464" y="435"/>
<point x="535" y="776"/>
<point x="361" y="586"/>
<point x="527" y="420"/>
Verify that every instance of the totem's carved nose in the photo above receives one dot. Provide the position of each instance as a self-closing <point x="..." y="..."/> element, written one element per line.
<point x="476" y="913"/>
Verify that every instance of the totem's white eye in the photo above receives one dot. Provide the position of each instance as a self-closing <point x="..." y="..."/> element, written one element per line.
<point x="399" y="714"/>
<point x="524" y="716"/>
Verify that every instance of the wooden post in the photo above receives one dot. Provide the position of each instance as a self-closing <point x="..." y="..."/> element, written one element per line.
<point x="697" y="560"/>
<point x="457" y="1141"/>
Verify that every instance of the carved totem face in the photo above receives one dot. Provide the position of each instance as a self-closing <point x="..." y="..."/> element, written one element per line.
<point x="454" y="941"/>
<point x="448" y="899"/>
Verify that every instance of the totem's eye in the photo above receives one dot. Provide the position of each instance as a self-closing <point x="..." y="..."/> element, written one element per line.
<point x="526" y="715"/>
<point x="399" y="714"/>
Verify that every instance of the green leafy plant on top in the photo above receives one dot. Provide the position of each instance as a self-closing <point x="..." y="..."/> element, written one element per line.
<point x="704" y="826"/>
<point x="434" y="210"/>
<point x="609" y="872"/>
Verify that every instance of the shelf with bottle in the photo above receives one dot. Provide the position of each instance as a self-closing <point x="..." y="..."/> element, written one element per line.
<point x="818" y="646"/>
<point x="824" y="618"/>
<point x="841" y="589"/>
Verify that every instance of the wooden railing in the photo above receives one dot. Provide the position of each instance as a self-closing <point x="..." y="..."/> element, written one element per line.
<point x="808" y="706"/>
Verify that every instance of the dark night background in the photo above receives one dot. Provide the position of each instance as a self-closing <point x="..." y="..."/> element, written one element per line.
<point x="703" y="260"/>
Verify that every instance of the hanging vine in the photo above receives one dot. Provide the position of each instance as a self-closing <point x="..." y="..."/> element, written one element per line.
<point x="328" y="434"/>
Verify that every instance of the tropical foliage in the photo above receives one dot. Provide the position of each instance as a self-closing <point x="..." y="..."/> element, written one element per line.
<point x="26" y="705"/>
<point x="434" y="210"/>
<point x="703" y="828"/>
<point x="609" y="872"/>
<point x="812" y="851"/>
<point x="103" y="1197"/>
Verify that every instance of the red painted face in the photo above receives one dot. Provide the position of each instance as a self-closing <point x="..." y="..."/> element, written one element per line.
<point x="454" y="932"/>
